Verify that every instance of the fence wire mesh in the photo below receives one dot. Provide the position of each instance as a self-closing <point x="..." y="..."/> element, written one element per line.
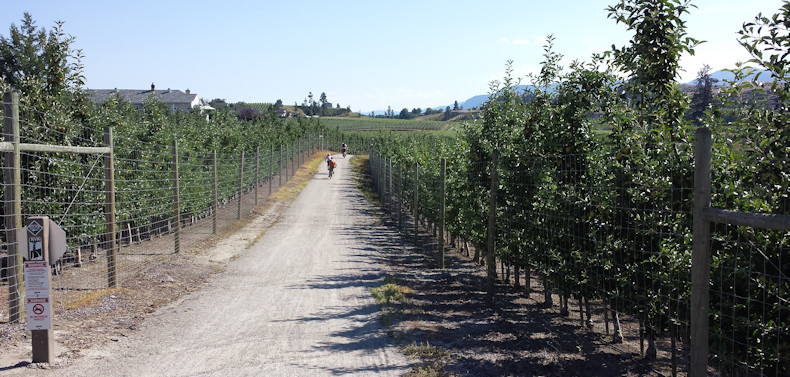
<point x="71" y="190"/>
<point x="611" y="244"/>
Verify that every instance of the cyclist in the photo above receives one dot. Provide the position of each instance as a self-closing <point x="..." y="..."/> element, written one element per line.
<point x="330" y="165"/>
<point x="344" y="147"/>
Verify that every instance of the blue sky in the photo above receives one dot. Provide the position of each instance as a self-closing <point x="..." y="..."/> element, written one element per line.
<point x="364" y="54"/>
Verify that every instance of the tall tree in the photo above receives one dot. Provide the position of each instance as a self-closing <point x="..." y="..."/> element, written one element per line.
<point x="650" y="153"/>
<point x="703" y="95"/>
<point x="37" y="62"/>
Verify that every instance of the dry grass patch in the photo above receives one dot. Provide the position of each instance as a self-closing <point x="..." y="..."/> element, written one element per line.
<point x="291" y="189"/>
<point x="88" y="298"/>
<point x="433" y="360"/>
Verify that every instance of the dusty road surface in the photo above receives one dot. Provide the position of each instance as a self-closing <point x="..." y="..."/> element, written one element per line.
<point x="297" y="303"/>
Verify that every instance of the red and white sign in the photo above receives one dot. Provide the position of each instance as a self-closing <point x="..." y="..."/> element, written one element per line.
<point x="38" y="313"/>
<point x="36" y="279"/>
<point x="37" y="290"/>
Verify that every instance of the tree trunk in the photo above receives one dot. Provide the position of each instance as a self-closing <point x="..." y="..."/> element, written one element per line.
<point x="527" y="280"/>
<point x="516" y="277"/>
<point x="589" y="314"/>
<point x="650" y="354"/>
<point x="617" y="333"/>
<point x="547" y="301"/>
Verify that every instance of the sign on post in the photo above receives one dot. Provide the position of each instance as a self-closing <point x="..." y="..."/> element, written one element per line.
<point x="38" y="289"/>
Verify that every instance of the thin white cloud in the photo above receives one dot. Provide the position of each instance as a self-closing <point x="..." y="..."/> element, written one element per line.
<point x="507" y="40"/>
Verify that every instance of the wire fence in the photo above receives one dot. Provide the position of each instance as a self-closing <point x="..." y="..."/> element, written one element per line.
<point x="613" y="247"/>
<point x="162" y="201"/>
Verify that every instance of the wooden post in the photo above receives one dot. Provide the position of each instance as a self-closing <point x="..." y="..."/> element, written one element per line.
<point x="416" y="200"/>
<point x="490" y="252"/>
<point x="215" y="193"/>
<point x="442" y="184"/>
<point x="176" y="202"/>
<point x="13" y="204"/>
<point x="293" y="160"/>
<point x="700" y="256"/>
<point x="280" y="168"/>
<point x="271" y="168"/>
<point x="257" y="173"/>
<point x="39" y="291"/>
<point x="388" y="184"/>
<point x="241" y="185"/>
<point x="109" y="213"/>
<point x="400" y="196"/>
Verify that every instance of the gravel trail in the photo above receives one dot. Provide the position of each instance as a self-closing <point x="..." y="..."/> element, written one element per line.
<point x="297" y="303"/>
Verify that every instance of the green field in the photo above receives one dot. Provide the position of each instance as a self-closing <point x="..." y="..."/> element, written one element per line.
<point x="384" y="124"/>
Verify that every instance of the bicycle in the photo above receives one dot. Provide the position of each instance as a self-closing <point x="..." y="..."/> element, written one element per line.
<point x="331" y="168"/>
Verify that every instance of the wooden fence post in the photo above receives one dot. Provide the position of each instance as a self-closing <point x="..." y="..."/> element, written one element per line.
<point x="280" y="168"/>
<point x="416" y="200"/>
<point x="442" y="184"/>
<point x="400" y="196"/>
<point x="13" y="204"/>
<point x="271" y="168"/>
<point x="257" y="173"/>
<point x="215" y="198"/>
<point x="700" y="256"/>
<point x="388" y="180"/>
<point x="176" y="202"/>
<point x="490" y="255"/>
<point x="241" y="185"/>
<point x="109" y="209"/>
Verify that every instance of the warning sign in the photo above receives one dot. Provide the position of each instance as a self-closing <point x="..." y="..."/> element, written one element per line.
<point x="36" y="279"/>
<point x="38" y="313"/>
<point x="37" y="289"/>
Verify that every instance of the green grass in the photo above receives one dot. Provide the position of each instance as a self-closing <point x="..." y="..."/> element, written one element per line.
<point x="389" y="297"/>
<point x="433" y="360"/>
<point x="383" y="124"/>
<point x="390" y="294"/>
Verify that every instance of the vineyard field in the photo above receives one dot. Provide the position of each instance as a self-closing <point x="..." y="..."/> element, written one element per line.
<point x="383" y="124"/>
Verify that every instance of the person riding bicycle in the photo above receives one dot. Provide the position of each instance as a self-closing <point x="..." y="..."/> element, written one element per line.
<point x="330" y="164"/>
<point x="344" y="147"/>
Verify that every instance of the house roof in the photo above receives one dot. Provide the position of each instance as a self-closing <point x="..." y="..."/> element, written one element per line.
<point x="138" y="96"/>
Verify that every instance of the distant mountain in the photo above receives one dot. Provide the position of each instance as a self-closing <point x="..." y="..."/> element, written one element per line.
<point x="480" y="99"/>
<point x="722" y="76"/>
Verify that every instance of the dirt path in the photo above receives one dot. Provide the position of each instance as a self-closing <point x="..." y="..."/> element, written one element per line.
<point x="296" y="303"/>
